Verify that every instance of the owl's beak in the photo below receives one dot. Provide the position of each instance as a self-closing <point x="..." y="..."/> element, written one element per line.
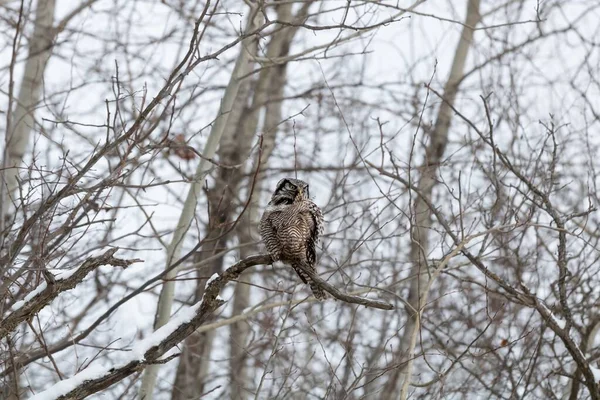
<point x="300" y="192"/>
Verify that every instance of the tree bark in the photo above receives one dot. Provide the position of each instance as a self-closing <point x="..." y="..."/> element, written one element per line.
<point x="269" y="91"/>
<point x="235" y="147"/>
<point x="165" y="302"/>
<point x="195" y="358"/>
<point x="21" y="123"/>
<point x="399" y="380"/>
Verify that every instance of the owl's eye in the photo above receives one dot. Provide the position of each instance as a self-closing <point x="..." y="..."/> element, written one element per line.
<point x="288" y="185"/>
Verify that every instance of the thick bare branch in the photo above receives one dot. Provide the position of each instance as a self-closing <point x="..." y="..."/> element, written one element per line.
<point x="149" y="351"/>
<point x="47" y="291"/>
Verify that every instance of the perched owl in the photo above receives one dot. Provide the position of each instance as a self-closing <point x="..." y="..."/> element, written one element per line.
<point x="290" y="228"/>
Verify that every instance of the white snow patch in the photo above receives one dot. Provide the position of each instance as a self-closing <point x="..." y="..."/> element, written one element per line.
<point x="65" y="274"/>
<point x="42" y="286"/>
<point x="63" y="387"/>
<point x="220" y="298"/>
<point x="183" y="316"/>
<point x="212" y="278"/>
<point x="596" y="373"/>
<point x="560" y="322"/>
<point x="139" y="349"/>
<point x="61" y="275"/>
<point x="137" y="354"/>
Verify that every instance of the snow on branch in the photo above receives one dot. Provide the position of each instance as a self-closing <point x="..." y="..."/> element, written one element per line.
<point x="47" y="291"/>
<point x="152" y="348"/>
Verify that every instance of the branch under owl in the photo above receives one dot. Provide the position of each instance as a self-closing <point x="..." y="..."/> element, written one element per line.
<point x="231" y="273"/>
<point x="151" y="349"/>
<point x="335" y="292"/>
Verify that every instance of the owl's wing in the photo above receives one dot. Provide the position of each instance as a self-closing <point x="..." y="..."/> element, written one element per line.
<point x="316" y="228"/>
<point x="268" y="233"/>
<point x="319" y="220"/>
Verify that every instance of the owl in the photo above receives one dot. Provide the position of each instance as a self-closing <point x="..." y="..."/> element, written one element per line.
<point x="290" y="228"/>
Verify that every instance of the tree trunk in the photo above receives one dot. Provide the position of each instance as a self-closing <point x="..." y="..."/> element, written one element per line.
<point x="270" y="86"/>
<point x="165" y="302"/>
<point x="399" y="380"/>
<point x="235" y="146"/>
<point x="21" y="123"/>
<point x="19" y="127"/>
<point x="195" y="358"/>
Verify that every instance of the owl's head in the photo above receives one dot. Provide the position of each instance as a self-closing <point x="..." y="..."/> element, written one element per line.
<point x="288" y="191"/>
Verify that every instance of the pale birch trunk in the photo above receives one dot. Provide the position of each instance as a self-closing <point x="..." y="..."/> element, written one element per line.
<point x="194" y="362"/>
<point x="269" y="90"/>
<point x="235" y="146"/>
<point x="165" y="302"/>
<point x="398" y="383"/>
<point x="20" y="124"/>
<point x="238" y="340"/>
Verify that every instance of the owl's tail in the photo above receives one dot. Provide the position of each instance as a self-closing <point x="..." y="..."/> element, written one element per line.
<point x="299" y="267"/>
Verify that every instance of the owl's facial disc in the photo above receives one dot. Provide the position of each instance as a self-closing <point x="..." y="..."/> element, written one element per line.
<point x="298" y="197"/>
<point x="301" y="192"/>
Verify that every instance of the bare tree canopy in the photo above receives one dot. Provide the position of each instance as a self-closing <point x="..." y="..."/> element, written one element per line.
<point x="450" y="146"/>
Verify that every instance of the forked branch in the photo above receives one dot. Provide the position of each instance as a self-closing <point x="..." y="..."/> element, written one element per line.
<point x="47" y="291"/>
<point x="150" y="350"/>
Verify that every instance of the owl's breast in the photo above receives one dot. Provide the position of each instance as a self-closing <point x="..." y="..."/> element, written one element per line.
<point x="294" y="231"/>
